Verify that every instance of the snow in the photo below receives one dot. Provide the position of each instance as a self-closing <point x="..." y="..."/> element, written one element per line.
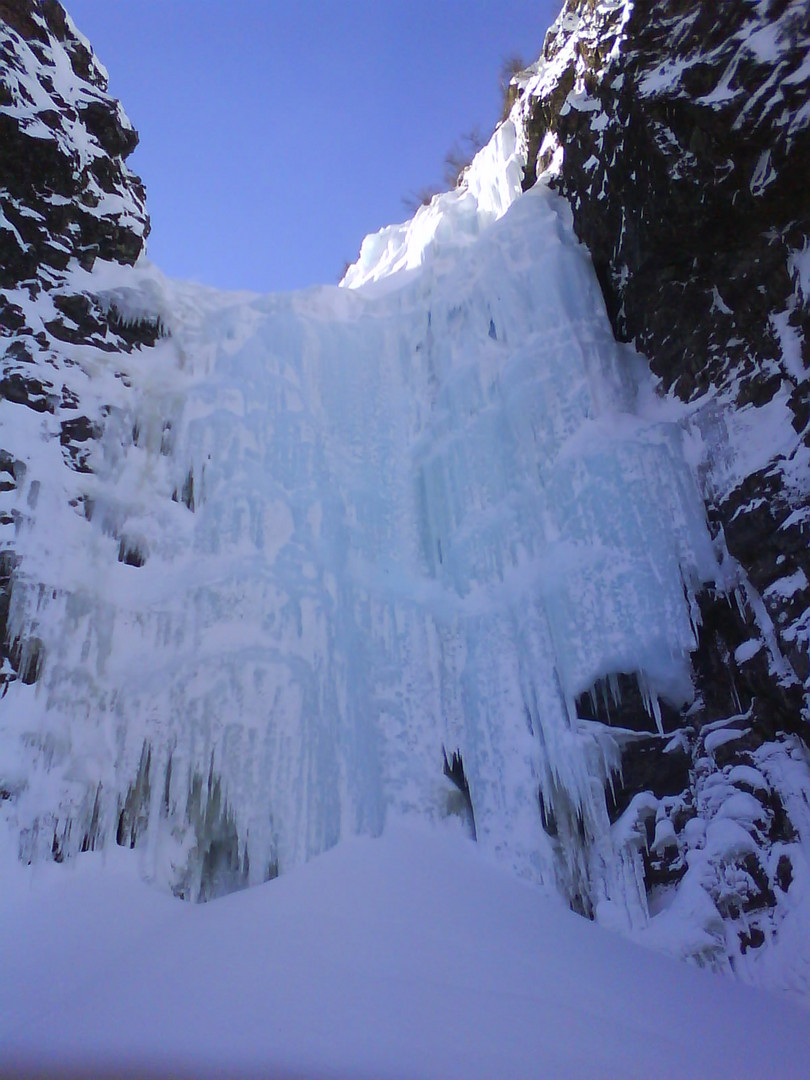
<point x="744" y="774"/>
<point x="715" y="739"/>
<point x="563" y="49"/>
<point x="745" y="440"/>
<point x="727" y="839"/>
<point x="490" y="185"/>
<point x="787" y="586"/>
<point x="764" y="42"/>
<point x="790" y="339"/>
<point x="747" y="650"/>
<point x="764" y="174"/>
<point x="799" y="270"/>
<point x="406" y="956"/>
<point x="741" y="807"/>
<point x="665" y="77"/>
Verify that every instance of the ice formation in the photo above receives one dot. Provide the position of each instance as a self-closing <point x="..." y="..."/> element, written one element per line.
<point x="331" y="539"/>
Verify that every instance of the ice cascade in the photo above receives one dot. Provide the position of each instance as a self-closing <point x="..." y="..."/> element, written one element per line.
<point x="335" y="539"/>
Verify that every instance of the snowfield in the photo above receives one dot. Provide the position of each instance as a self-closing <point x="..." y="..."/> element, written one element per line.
<point x="408" y="957"/>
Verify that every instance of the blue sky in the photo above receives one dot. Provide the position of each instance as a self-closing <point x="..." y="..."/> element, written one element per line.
<point x="275" y="135"/>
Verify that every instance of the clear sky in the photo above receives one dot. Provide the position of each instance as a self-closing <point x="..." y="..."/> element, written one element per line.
<point x="276" y="133"/>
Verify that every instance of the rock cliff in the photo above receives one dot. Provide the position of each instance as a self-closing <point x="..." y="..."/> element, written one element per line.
<point x="66" y="200"/>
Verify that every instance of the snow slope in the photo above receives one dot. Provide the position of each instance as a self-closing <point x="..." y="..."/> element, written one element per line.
<point x="408" y="956"/>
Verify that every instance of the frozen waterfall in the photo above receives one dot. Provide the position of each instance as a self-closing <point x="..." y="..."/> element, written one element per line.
<point x="331" y="537"/>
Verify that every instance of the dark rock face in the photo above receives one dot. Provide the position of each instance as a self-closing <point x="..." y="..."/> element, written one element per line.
<point x="620" y="702"/>
<point x="684" y="128"/>
<point x="64" y="144"/>
<point x="67" y="200"/>
<point x="656" y="765"/>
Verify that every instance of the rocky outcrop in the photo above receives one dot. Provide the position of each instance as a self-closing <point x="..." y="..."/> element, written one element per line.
<point x="679" y="132"/>
<point x="67" y="193"/>
<point x="686" y="132"/>
<point x="67" y="199"/>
